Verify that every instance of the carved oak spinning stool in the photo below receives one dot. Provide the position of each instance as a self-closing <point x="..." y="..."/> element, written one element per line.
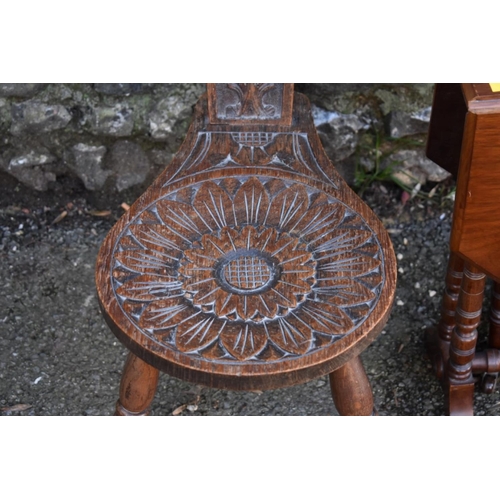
<point x="249" y="263"/>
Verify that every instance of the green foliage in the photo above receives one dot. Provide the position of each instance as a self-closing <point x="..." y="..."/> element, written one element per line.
<point x="363" y="178"/>
<point x="383" y="150"/>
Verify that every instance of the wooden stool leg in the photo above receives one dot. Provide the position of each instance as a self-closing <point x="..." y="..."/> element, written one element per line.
<point x="460" y="384"/>
<point x="137" y="388"/>
<point x="351" y="390"/>
<point x="438" y="339"/>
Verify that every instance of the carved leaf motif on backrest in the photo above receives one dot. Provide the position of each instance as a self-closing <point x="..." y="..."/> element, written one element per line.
<point x="268" y="103"/>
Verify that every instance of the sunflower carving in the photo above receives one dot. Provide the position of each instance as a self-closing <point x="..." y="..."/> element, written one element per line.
<point x="246" y="270"/>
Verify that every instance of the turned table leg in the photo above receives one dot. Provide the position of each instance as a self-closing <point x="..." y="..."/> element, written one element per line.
<point x="494" y="334"/>
<point x="137" y="388"/>
<point x="489" y="380"/>
<point x="351" y="389"/>
<point x="460" y="384"/>
<point x="438" y="338"/>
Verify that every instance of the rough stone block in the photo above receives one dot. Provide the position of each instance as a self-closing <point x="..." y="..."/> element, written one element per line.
<point x="37" y="117"/>
<point x="402" y="124"/>
<point x="129" y="164"/>
<point x="5" y="117"/>
<point x="412" y="167"/>
<point x="87" y="162"/>
<point x="20" y="89"/>
<point x="33" y="169"/>
<point x="339" y="132"/>
<point x="31" y="159"/>
<point x="166" y="115"/>
<point x="120" y="88"/>
<point x="117" y="121"/>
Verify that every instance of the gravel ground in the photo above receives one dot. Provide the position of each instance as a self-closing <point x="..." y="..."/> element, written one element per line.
<point x="57" y="356"/>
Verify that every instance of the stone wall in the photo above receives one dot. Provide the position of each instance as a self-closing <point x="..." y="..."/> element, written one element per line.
<point x="116" y="136"/>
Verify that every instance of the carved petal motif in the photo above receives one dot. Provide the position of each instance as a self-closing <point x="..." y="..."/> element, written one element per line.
<point x="224" y="272"/>
<point x="157" y="237"/>
<point x="196" y="332"/>
<point x="347" y="264"/>
<point x="214" y="208"/>
<point x="291" y="334"/>
<point x="243" y="341"/>
<point x="166" y="313"/>
<point x="147" y="288"/>
<point x="344" y="292"/>
<point x="257" y="274"/>
<point x="325" y="318"/>
<point x="251" y="203"/>
<point x="319" y="221"/>
<point x="288" y="207"/>
<point x="148" y="261"/>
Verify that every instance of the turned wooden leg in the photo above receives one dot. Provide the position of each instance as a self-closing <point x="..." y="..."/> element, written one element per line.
<point x="438" y="338"/>
<point x="494" y="334"/>
<point x="137" y="388"/>
<point x="351" y="389"/>
<point x="489" y="380"/>
<point x="460" y="384"/>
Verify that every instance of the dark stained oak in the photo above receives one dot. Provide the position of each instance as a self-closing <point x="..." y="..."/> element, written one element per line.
<point x="465" y="133"/>
<point x="248" y="264"/>
<point x="494" y="334"/>
<point x="463" y="342"/>
<point x="351" y="389"/>
<point x="138" y="387"/>
<point x="438" y="339"/>
<point x="446" y="128"/>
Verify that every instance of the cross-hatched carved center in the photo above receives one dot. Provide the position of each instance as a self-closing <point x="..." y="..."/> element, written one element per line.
<point x="247" y="272"/>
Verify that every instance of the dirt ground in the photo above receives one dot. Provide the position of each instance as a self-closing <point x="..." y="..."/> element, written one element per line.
<point x="57" y="356"/>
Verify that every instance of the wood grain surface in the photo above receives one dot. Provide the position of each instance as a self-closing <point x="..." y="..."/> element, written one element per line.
<point x="248" y="263"/>
<point x="465" y="123"/>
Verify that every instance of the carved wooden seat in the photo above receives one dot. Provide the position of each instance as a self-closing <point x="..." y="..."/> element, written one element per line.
<point x="249" y="263"/>
<point x="464" y="138"/>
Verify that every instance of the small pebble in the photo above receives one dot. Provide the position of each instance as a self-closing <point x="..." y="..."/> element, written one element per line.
<point x="401" y="270"/>
<point x="400" y="256"/>
<point x="400" y="302"/>
<point x="417" y="285"/>
<point x="405" y="241"/>
<point x="442" y="216"/>
<point x="432" y="293"/>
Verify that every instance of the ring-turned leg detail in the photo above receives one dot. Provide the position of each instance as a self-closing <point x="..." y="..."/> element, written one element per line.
<point x="351" y="389"/>
<point x="460" y="384"/>
<point x="494" y="334"/>
<point x="137" y="388"/>
<point x="438" y="338"/>
<point x="489" y="380"/>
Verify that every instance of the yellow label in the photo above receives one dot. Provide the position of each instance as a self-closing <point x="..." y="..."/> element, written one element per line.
<point x="495" y="87"/>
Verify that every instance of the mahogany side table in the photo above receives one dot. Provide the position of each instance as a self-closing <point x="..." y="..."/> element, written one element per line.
<point x="464" y="138"/>
<point x="249" y="263"/>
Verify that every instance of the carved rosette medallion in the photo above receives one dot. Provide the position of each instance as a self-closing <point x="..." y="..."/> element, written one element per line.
<point x="257" y="274"/>
<point x="247" y="270"/>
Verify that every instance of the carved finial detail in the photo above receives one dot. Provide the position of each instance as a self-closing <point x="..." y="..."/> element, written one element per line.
<point x="251" y="102"/>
